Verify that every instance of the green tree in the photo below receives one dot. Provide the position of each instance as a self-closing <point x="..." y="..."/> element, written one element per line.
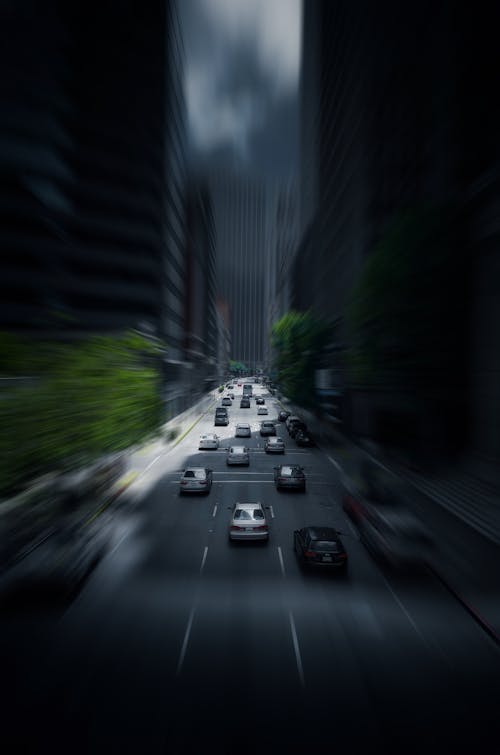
<point x="85" y="399"/>
<point x="298" y="340"/>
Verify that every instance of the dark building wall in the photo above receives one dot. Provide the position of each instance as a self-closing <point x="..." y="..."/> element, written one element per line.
<point x="401" y="120"/>
<point x="92" y="165"/>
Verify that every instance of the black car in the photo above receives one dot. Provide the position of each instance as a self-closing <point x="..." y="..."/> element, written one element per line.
<point x="245" y="403"/>
<point x="283" y="416"/>
<point x="302" y="438"/>
<point x="260" y="400"/>
<point x="295" y="427"/>
<point x="290" y="476"/>
<point x="320" y="546"/>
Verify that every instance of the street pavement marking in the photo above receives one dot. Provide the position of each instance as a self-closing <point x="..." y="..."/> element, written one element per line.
<point x="215" y="510"/>
<point x="272" y="511"/>
<point x="281" y="561"/>
<point x="152" y="462"/>
<point x="204" y="558"/>
<point x="296" y="648"/>
<point x="186" y="640"/>
<point x="335" y="463"/>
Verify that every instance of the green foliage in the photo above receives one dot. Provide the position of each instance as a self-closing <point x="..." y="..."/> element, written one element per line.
<point x="235" y="366"/>
<point x="404" y="304"/>
<point x="86" y="399"/>
<point x="298" y="340"/>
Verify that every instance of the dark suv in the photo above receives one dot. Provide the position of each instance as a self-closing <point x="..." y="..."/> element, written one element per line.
<point x="221" y="416"/>
<point x="245" y="403"/>
<point x="289" y="476"/>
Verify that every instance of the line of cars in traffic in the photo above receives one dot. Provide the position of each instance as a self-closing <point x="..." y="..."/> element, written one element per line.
<point x="317" y="546"/>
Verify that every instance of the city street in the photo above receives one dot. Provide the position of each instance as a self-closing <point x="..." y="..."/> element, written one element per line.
<point x="182" y="642"/>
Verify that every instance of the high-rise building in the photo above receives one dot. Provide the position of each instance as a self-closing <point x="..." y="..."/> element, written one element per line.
<point x="92" y="167"/>
<point x="396" y="116"/>
<point x="242" y="225"/>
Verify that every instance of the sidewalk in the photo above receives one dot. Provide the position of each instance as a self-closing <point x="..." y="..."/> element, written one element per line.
<point x="463" y="513"/>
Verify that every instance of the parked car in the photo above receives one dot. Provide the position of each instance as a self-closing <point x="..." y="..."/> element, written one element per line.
<point x="290" y="476"/>
<point x="321" y="547"/>
<point x="209" y="441"/>
<point x="274" y="446"/>
<point x="262" y="410"/>
<point x="196" y="480"/>
<point x="238" y="455"/>
<point x="243" y="430"/>
<point x="302" y="438"/>
<point x="248" y="522"/>
<point x="283" y="415"/>
<point x="245" y="403"/>
<point x="267" y="428"/>
<point x="293" y="427"/>
<point x="290" y="419"/>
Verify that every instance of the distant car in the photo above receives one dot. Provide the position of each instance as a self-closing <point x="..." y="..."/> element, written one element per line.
<point x="289" y="476"/>
<point x="226" y="401"/>
<point x="231" y="396"/>
<point x="221" y="416"/>
<point x="260" y="400"/>
<point x="238" y="455"/>
<point x="196" y="480"/>
<point x="209" y="441"/>
<point x="267" y="428"/>
<point x="262" y="410"/>
<point x="283" y="416"/>
<point x="321" y="547"/>
<point x="243" y="430"/>
<point x="302" y="438"/>
<point x="274" y="446"/>
<point x="248" y="522"/>
<point x="245" y="403"/>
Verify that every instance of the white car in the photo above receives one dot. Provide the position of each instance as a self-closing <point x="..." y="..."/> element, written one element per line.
<point x="238" y="455"/>
<point x="196" y="480"/>
<point x="243" y="430"/>
<point x="248" y="522"/>
<point x="210" y="441"/>
<point x="262" y="410"/>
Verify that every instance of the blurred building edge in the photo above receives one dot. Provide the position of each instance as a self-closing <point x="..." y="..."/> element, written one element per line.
<point x="394" y="116"/>
<point x="94" y="192"/>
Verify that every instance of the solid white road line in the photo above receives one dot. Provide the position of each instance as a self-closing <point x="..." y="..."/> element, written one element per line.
<point x="185" y="641"/>
<point x="215" y="510"/>
<point x="296" y="648"/>
<point x="272" y="511"/>
<point x="151" y="463"/>
<point x="281" y="561"/>
<point x="204" y="558"/>
<point x="335" y="463"/>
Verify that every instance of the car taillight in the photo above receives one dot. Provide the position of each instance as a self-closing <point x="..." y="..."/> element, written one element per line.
<point x="342" y="555"/>
<point x="203" y="482"/>
<point x="281" y="479"/>
<point x="309" y="554"/>
<point x="183" y="482"/>
<point x="235" y="527"/>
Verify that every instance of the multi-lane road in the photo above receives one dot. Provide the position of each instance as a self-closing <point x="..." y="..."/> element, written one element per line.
<point x="182" y="643"/>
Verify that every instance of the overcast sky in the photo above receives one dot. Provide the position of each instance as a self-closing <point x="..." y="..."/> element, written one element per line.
<point x="242" y="69"/>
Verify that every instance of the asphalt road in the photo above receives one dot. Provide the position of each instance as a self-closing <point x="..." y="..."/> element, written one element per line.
<point x="181" y="642"/>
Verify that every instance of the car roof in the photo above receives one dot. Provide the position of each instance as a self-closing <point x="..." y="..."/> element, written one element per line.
<point x="248" y="506"/>
<point x="316" y="532"/>
<point x="195" y="469"/>
<point x="243" y="424"/>
<point x="237" y="449"/>
<point x="275" y="440"/>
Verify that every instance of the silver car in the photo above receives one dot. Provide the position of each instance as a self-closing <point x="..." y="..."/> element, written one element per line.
<point x="248" y="522"/>
<point x="238" y="455"/>
<point x="274" y="446"/>
<point x="196" y="480"/>
<point x="243" y="430"/>
<point x="262" y="410"/>
<point x="209" y="441"/>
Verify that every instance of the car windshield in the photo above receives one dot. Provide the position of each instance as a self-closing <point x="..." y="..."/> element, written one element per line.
<point x="330" y="546"/>
<point x="287" y="471"/>
<point x="242" y="514"/>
